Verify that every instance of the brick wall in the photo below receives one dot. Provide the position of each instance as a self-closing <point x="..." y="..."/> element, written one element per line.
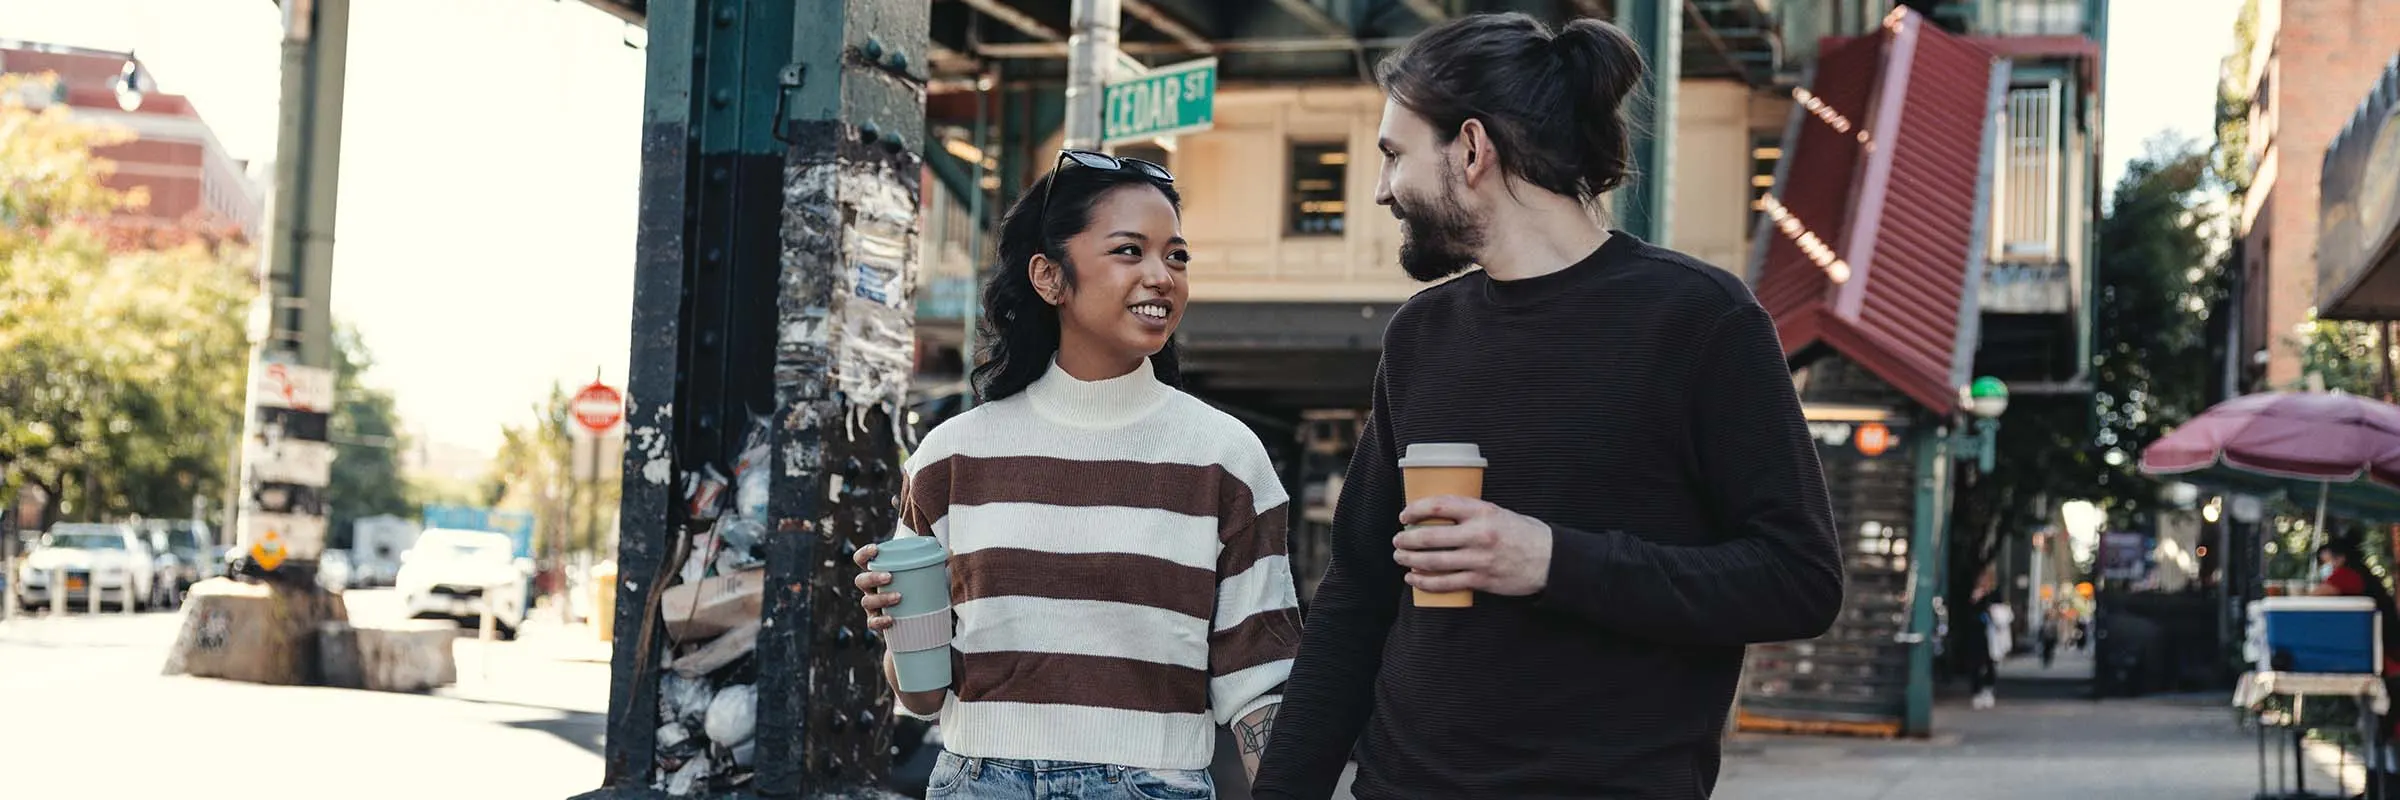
<point x="2328" y="53"/>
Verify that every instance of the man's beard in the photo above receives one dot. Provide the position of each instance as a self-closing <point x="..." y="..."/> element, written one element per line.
<point x="1438" y="237"/>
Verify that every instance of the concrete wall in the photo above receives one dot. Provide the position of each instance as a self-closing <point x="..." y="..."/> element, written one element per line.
<point x="2325" y="55"/>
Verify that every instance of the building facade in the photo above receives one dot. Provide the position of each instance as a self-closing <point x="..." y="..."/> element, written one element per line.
<point x="2309" y="63"/>
<point x="174" y="157"/>
<point x="1942" y="155"/>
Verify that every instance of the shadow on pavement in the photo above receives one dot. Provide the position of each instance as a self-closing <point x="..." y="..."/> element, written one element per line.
<point x="582" y="729"/>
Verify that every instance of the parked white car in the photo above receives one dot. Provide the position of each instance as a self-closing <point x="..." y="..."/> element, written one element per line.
<point x="105" y="557"/>
<point x="455" y="574"/>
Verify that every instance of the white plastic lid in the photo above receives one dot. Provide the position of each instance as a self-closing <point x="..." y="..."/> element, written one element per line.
<point x="1443" y="455"/>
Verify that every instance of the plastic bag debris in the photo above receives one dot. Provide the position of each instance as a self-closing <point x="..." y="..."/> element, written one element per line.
<point x="684" y="699"/>
<point x="694" y="774"/>
<point x="733" y="716"/>
<point x="673" y="736"/>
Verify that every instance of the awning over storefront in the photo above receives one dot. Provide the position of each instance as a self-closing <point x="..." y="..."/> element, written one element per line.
<point x="2358" y="223"/>
<point x="1875" y="231"/>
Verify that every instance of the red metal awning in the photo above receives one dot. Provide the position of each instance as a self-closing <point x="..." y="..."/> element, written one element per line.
<point x="1875" y="231"/>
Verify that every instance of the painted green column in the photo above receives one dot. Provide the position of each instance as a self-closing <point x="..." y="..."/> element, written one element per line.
<point x="1643" y="205"/>
<point x="1927" y="562"/>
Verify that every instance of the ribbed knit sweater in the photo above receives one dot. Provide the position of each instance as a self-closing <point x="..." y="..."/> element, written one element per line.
<point x="1637" y="402"/>
<point x="1118" y="571"/>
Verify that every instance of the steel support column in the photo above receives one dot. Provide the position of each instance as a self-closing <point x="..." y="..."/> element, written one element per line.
<point x="1645" y="204"/>
<point x="776" y="254"/>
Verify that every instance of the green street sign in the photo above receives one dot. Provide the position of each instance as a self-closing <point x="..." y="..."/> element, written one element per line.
<point x="1170" y="100"/>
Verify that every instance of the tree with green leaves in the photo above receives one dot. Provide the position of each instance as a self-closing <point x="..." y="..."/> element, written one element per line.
<point x="365" y="431"/>
<point x="534" y="472"/>
<point x="121" y="368"/>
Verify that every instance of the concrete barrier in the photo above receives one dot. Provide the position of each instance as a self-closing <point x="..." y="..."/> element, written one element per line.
<point x="410" y="656"/>
<point x="259" y="633"/>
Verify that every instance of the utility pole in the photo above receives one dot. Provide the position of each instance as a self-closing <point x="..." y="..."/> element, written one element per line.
<point x="280" y="505"/>
<point x="1091" y="53"/>
<point x="773" y="271"/>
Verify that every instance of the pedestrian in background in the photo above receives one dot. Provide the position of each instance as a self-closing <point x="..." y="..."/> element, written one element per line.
<point x="1652" y="501"/>
<point x="1117" y="564"/>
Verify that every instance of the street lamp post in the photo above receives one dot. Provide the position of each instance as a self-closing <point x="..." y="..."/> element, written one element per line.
<point x="1985" y="400"/>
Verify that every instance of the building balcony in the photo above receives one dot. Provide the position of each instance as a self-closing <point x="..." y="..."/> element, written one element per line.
<point x="2027" y="288"/>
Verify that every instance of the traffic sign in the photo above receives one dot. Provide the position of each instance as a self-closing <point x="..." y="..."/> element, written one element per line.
<point x="598" y="408"/>
<point x="1169" y="100"/>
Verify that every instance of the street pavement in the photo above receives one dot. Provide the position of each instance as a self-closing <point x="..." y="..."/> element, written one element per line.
<point x="84" y="713"/>
<point x="2046" y="738"/>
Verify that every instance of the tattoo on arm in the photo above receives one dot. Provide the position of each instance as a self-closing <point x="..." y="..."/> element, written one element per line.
<point x="1251" y="734"/>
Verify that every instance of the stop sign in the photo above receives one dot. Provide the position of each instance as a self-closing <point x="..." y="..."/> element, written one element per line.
<point x="598" y="408"/>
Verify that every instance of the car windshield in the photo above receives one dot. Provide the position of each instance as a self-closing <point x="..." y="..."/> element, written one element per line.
<point x="466" y="548"/>
<point x="175" y="538"/>
<point x="87" y="540"/>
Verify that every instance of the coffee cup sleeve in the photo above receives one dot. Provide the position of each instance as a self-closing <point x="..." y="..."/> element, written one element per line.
<point x="920" y="631"/>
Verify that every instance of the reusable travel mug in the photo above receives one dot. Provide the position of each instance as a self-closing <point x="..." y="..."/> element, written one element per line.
<point x="920" y="634"/>
<point x="1429" y="470"/>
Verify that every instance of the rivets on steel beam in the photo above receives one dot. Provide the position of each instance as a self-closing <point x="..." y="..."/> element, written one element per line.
<point x="721" y="98"/>
<point x="874" y="49"/>
<point x="725" y="17"/>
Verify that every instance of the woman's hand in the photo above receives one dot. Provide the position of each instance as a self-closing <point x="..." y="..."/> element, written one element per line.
<point x="870" y="583"/>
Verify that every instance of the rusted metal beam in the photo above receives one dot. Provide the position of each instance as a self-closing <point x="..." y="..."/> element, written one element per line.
<point x="1315" y="17"/>
<point x="1708" y="33"/>
<point x="1052" y="50"/>
<point x="1428" y="10"/>
<point x="1023" y="22"/>
<point x="1167" y="24"/>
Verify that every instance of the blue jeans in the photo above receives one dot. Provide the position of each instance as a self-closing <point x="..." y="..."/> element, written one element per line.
<point x="958" y="777"/>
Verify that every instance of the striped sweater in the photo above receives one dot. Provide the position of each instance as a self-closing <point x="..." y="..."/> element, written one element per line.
<point x="1118" y="571"/>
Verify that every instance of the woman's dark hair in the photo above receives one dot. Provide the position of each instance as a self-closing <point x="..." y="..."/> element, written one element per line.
<point x="1553" y="104"/>
<point x="1019" y="330"/>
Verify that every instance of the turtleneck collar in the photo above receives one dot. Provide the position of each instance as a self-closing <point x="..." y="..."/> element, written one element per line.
<point x="1110" y="403"/>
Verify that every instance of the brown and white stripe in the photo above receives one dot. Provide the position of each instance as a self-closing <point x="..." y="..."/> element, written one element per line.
<point x="1119" y="589"/>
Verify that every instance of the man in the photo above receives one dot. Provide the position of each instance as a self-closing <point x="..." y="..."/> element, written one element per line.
<point x="1655" y="501"/>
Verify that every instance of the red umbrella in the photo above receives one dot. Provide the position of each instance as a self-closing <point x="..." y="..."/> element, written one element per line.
<point x="2325" y="438"/>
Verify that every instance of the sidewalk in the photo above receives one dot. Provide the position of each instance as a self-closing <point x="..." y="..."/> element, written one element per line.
<point x="2046" y="738"/>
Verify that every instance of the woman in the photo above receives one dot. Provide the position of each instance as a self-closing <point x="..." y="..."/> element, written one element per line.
<point x="1117" y="563"/>
<point x="2342" y="572"/>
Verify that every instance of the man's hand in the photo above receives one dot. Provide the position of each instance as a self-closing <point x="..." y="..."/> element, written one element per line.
<point x="1490" y="549"/>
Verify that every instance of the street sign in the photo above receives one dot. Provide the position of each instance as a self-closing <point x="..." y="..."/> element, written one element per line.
<point x="295" y="387"/>
<point x="1166" y="101"/>
<point x="598" y="408"/>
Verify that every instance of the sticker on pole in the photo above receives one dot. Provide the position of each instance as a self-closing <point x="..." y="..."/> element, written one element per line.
<point x="598" y="408"/>
<point x="267" y="550"/>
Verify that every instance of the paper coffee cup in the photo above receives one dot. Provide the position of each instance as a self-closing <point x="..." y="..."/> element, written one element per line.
<point x="920" y="637"/>
<point x="1432" y="470"/>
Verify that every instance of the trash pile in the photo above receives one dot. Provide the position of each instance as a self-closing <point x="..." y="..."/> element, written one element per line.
<point x="708" y="695"/>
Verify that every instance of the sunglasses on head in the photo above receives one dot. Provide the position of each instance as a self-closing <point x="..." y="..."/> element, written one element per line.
<point x="1091" y="160"/>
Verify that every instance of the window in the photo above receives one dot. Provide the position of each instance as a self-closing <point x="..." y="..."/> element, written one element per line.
<point x="1318" y="191"/>
<point x="2041" y="18"/>
<point x="2025" y="197"/>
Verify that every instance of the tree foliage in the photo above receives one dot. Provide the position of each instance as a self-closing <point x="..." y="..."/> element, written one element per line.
<point x="2162" y="271"/>
<point x="120" y="370"/>
<point x="365" y="430"/>
<point x="534" y="472"/>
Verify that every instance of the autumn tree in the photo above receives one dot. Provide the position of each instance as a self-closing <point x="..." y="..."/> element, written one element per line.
<point x="120" y="371"/>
